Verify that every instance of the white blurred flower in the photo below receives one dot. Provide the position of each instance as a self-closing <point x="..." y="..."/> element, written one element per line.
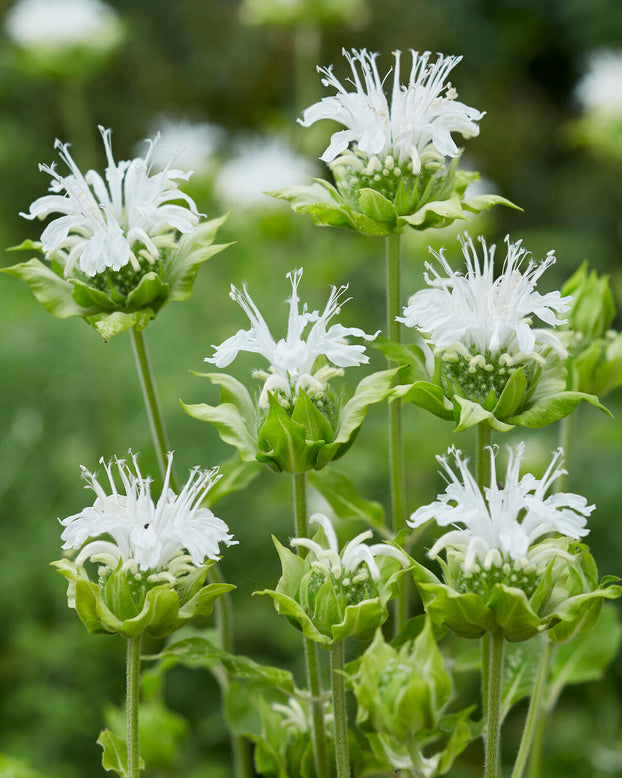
<point x="354" y="555"/>
<point x="600" y="88"/>
<point x="164" y="537"/>
<point x="131" y="215"/>
<point x="478" y="316"/>
<point x="419" y="119"/>
<point x="260" y="165"/>
<point x="292" y="358"/>
<point x="508" y="525"/>
<point x="59" y="24"/>
<point x="191" y="145"/>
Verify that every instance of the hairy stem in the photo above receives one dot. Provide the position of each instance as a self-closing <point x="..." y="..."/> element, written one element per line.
<point x="131" y="704"/>
<point x="396" y="444"/>
<point x="493" y="716"/>
<point x="312" y="659"/>
<point x="342" y="754"/>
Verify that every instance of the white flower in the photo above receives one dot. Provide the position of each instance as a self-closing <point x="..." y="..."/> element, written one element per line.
<point x="259" y="166"/>
<point x="356" y="553"/>
<point x="147" y="536"/>
<point x="108" y="224"/>
<point x="191" y="145"/>
<point x="420" y="117"/>
<point x="292" y="358"/>
<point x="58" y="24"/>
<point x="478" y="314"/>
<point x="509" y="523"/>
<point x="599" y="89"/>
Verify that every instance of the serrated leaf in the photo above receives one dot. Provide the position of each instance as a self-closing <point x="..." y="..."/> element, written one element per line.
<point x="344" y="498"/>
<point x="52" y="291"/>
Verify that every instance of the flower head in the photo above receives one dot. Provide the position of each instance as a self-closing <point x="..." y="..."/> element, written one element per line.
<point x="257" y="167"/>
<point x="504" y="525"/>
<point x="292" y="358"/>
<point x="166" y="538"/>
<point x="418" y="120"/>
<point x="128" y="218"/>
<point x="61" y="24"/>
<point x="598" y="91"/>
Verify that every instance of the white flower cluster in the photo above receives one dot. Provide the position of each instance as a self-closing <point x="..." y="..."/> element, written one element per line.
<point x="292" y="358"/>
<point x="504" y="524"/>
<point x="599" y="91"/>
<point x="419" y="118"/>
<point x="110" y="223"/>
<point x="147" y="536"/>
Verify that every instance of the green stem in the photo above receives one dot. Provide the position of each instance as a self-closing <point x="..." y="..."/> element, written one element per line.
<point x="493" y="727"/>
<point x="131" y="704"/>
<point x="312" y="659"/>
<point x="150" y="395"/>
<point x="567" y="429"/>
<point x="483" y="437"/>
<point x="338" y="681"/>
<point x="396" y="445"/>
<point x="223" y="611"/>
<point x="486" y="641"/>
<point x="535" y="709"/>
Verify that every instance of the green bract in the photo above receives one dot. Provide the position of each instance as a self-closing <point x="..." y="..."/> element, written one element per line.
<point x="531" y="396"/>
<point x="434" y="198"/>
<point x="297" y="439"/>
<point x="120" y="604"/>
<point x="115" y="301"/>
<point x="401" y="696"/>
<point x="595" y="350"/>
<point x="328" y="610"/>
<point x="565" y="598"/>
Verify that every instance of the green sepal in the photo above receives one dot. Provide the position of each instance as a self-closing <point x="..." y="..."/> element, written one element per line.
<point x="110" y="324"/>
<point x="377" y="206"/>
<point x="151" y="291"/>
<point x="235" y="418"/>
<point x="514" y="614"/>
<point x="427" y="396"/>
<point x="51" y="290"/>
<point x="193" y="249"/>
<point x="111" y="607"/>
<point x="282" y="441"/>
<point x="114" y="756"/>
<point x="88" y="297"/>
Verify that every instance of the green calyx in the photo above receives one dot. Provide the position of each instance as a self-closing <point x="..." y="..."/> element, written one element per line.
<point x="126" y="603"/>
<point x="305" y="435"/>
<point x="115" y="301"/>
<point x="329" y="607"/>
<point x="526" y="394"/>
<point x="383" y="198"/>
<point x="564" y="597"/>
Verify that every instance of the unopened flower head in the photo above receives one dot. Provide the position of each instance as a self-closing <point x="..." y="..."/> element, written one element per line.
<point x="599" y="91"/>
<point x="354" y="570"/>
<point x="126" y="219"/>
<point x="292" y="359"/>
<point x="387" y="139"/>
<point x="163" y="540"/>
<point x="54" y="25"/>
<point x="259" y="166"/>
<point x="480" y="325"/>
<point x="504" y="534"/>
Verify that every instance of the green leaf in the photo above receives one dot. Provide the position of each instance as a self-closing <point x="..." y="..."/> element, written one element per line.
<point x="236" y="475"/>
<point x="88" y="296"/>
<point x="193" y="250"/>
<point x="376" y="206"/>
<point x="485" y="202"/>
<point x="14" y="768"/>
<point x="520" y="666"/>
<point x="110" y="324"/>
<point x="343" y="497"/>
<point x="552" y="408"/>
<point x="315" y="423"/>
<point x="282" y="442"/>
<point x="52" y="291"/>
<point x="468" y="414"/>
<point x="114" y="757"/>
<point x="425" y="395"/>
<point x="434" y="212"/>
<point x="512" y="396"/>
<point x="150" y="289"/>
<point x="465" y="614"/>
<point x="27" y="245"/>
<point x="513" y="613"/>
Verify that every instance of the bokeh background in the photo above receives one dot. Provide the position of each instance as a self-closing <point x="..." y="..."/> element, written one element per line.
<point x="67" y="398"/>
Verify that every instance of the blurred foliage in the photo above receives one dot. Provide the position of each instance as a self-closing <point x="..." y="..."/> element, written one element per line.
<point x="67" y="398"/>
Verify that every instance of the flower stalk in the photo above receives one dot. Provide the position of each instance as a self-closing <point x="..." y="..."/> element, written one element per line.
<point x="396" y="445"/>
<point x="131" y="704"/>
<point x="342" y="754"/>
<point x="536" y="705"/>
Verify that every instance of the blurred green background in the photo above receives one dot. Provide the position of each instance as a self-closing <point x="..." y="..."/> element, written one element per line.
<point x="67" y="398"/>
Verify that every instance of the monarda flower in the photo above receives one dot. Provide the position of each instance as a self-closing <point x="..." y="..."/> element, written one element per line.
<point x="151" y="557"/>
<point x="389" y="162"/>
<point x="122" y="244"/>
<point x="493" y="363"/>
<point x="513" y="560"/>
<point x="298" y="423"/>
